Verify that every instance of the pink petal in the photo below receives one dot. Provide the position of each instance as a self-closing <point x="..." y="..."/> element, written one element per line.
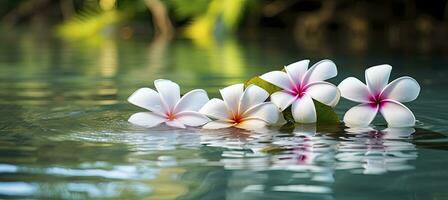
<point x="146" y="119"/>
<point x="360" y="116"/>
<point x="192" y="101"/>
<point x="324" y="92"/>
<point x="354" y="90"/>
<point x="322" y="70"/>
<point x="403" y="89"/>
<point x="191" y="118"/>
<point x="303" y="110"/>
<point x="278" y="78"/>
<point x="397" y="114"/>
<point x="169" y="92"/>
<point x="297" y="70"/>
<point x="147" y="98"/>
<point x="253" y="95"/>
<point x="282" y="99"/>
<point x="377" y="78"/>
<point x="217" y="109"/>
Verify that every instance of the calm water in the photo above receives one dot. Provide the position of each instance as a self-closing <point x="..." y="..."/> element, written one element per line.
<point x="64" y="132"/>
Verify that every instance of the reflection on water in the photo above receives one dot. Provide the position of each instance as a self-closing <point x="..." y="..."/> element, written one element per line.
<point x="64" y="134"/>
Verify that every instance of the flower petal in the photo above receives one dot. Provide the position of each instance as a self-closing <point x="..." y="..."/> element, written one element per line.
<point x="146" y="119"/>
<point x="147" y="98"/>
<point x="403" y="89"/>
<point x="303" y="110"/>
<point x="322" y="70"/>
<point x="216" y="108"/>
<point x="175" y="123"/>
<point x="397" y="114"/>
<point x="251" y="124"/>
<point x="217" y="125"/>
<point x="360" y="116"/>
<point x="279" y="79"/>
<point x="232" y="96"/>
<point x="253" y="95"/>
<point x="377" y="78"/>
<point x="169" y="92"/>
<point x="354" y="90"/>
<point x="192" y="101"/>
<point x="324" y="92"/>
<point x="297" y="70"/>
<point x="266" y="111"/>
<point x="191" y="118"/>
<point x="282" y="99"/>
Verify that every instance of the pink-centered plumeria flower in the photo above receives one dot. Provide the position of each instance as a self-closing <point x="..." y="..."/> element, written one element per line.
<point x="168" y="107"/>
<point x="245" y="109"/>
<point x="378" y="95"/>
<point x="301" y="85"/>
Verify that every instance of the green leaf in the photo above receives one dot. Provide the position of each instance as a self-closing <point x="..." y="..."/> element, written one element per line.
<point x="256" y="80"/>
<point x="325" y="114"/>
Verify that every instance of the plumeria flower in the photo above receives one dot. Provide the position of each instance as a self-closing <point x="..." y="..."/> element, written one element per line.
<point x="245" y="109"/>
<point x="167" y="106"/>
<point x="301" y="85"/>
<point x="378" y="95"/>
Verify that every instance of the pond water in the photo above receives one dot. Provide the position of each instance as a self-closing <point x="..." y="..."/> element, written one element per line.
<point x="64" y="132"/>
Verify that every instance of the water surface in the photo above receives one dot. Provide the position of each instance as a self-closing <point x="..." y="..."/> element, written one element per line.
<point x="64" y="132"/>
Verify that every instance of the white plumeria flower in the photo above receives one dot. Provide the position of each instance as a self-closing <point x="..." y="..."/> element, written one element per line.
<point x="245" y="109"/>
<point x="167" y="106"/>
<point x="377" y="95"/>
<point x="301" y="85"/>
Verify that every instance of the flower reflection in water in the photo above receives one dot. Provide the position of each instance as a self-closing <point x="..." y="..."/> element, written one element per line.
<point x="305" y="160"/>
<point x="232" y="163"/>
<point x="372" y="151"/>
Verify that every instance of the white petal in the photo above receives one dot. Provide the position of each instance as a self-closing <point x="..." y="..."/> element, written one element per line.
<point x="191" y="118"/>
<point x="175" y="123"/>
<point x="217" y="125"/>
<point x="303" y="110"/>
<point x="232" y="95"/>
<point x="251" y="124"/>
<point x="253" y="95"/>
<point x="322" y="70"/>
<point x="397" y="114"/>
<point x="278" y="78"/>
<point x="216" y="108"/>
<point x="403" y="89"/>
<point x="146" y="119"/>
<point x="297" y="70"/>
<point x="377" y="78"/>
<point x="266" y="111"/>
<point x="192" y="101"/>
<point x="282" y="99"/>
<point x="360" y="116"/>
<point x="169" y="92"/>
<point x="354" y="90"/>
<point x="147" y="98"/>
<point x="324" y="92"/>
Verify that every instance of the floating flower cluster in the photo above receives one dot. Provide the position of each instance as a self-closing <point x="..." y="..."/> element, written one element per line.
<point x="301" y="89"/>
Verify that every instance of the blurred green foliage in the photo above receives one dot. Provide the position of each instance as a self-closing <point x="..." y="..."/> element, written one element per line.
<point x="204" y="19"/>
